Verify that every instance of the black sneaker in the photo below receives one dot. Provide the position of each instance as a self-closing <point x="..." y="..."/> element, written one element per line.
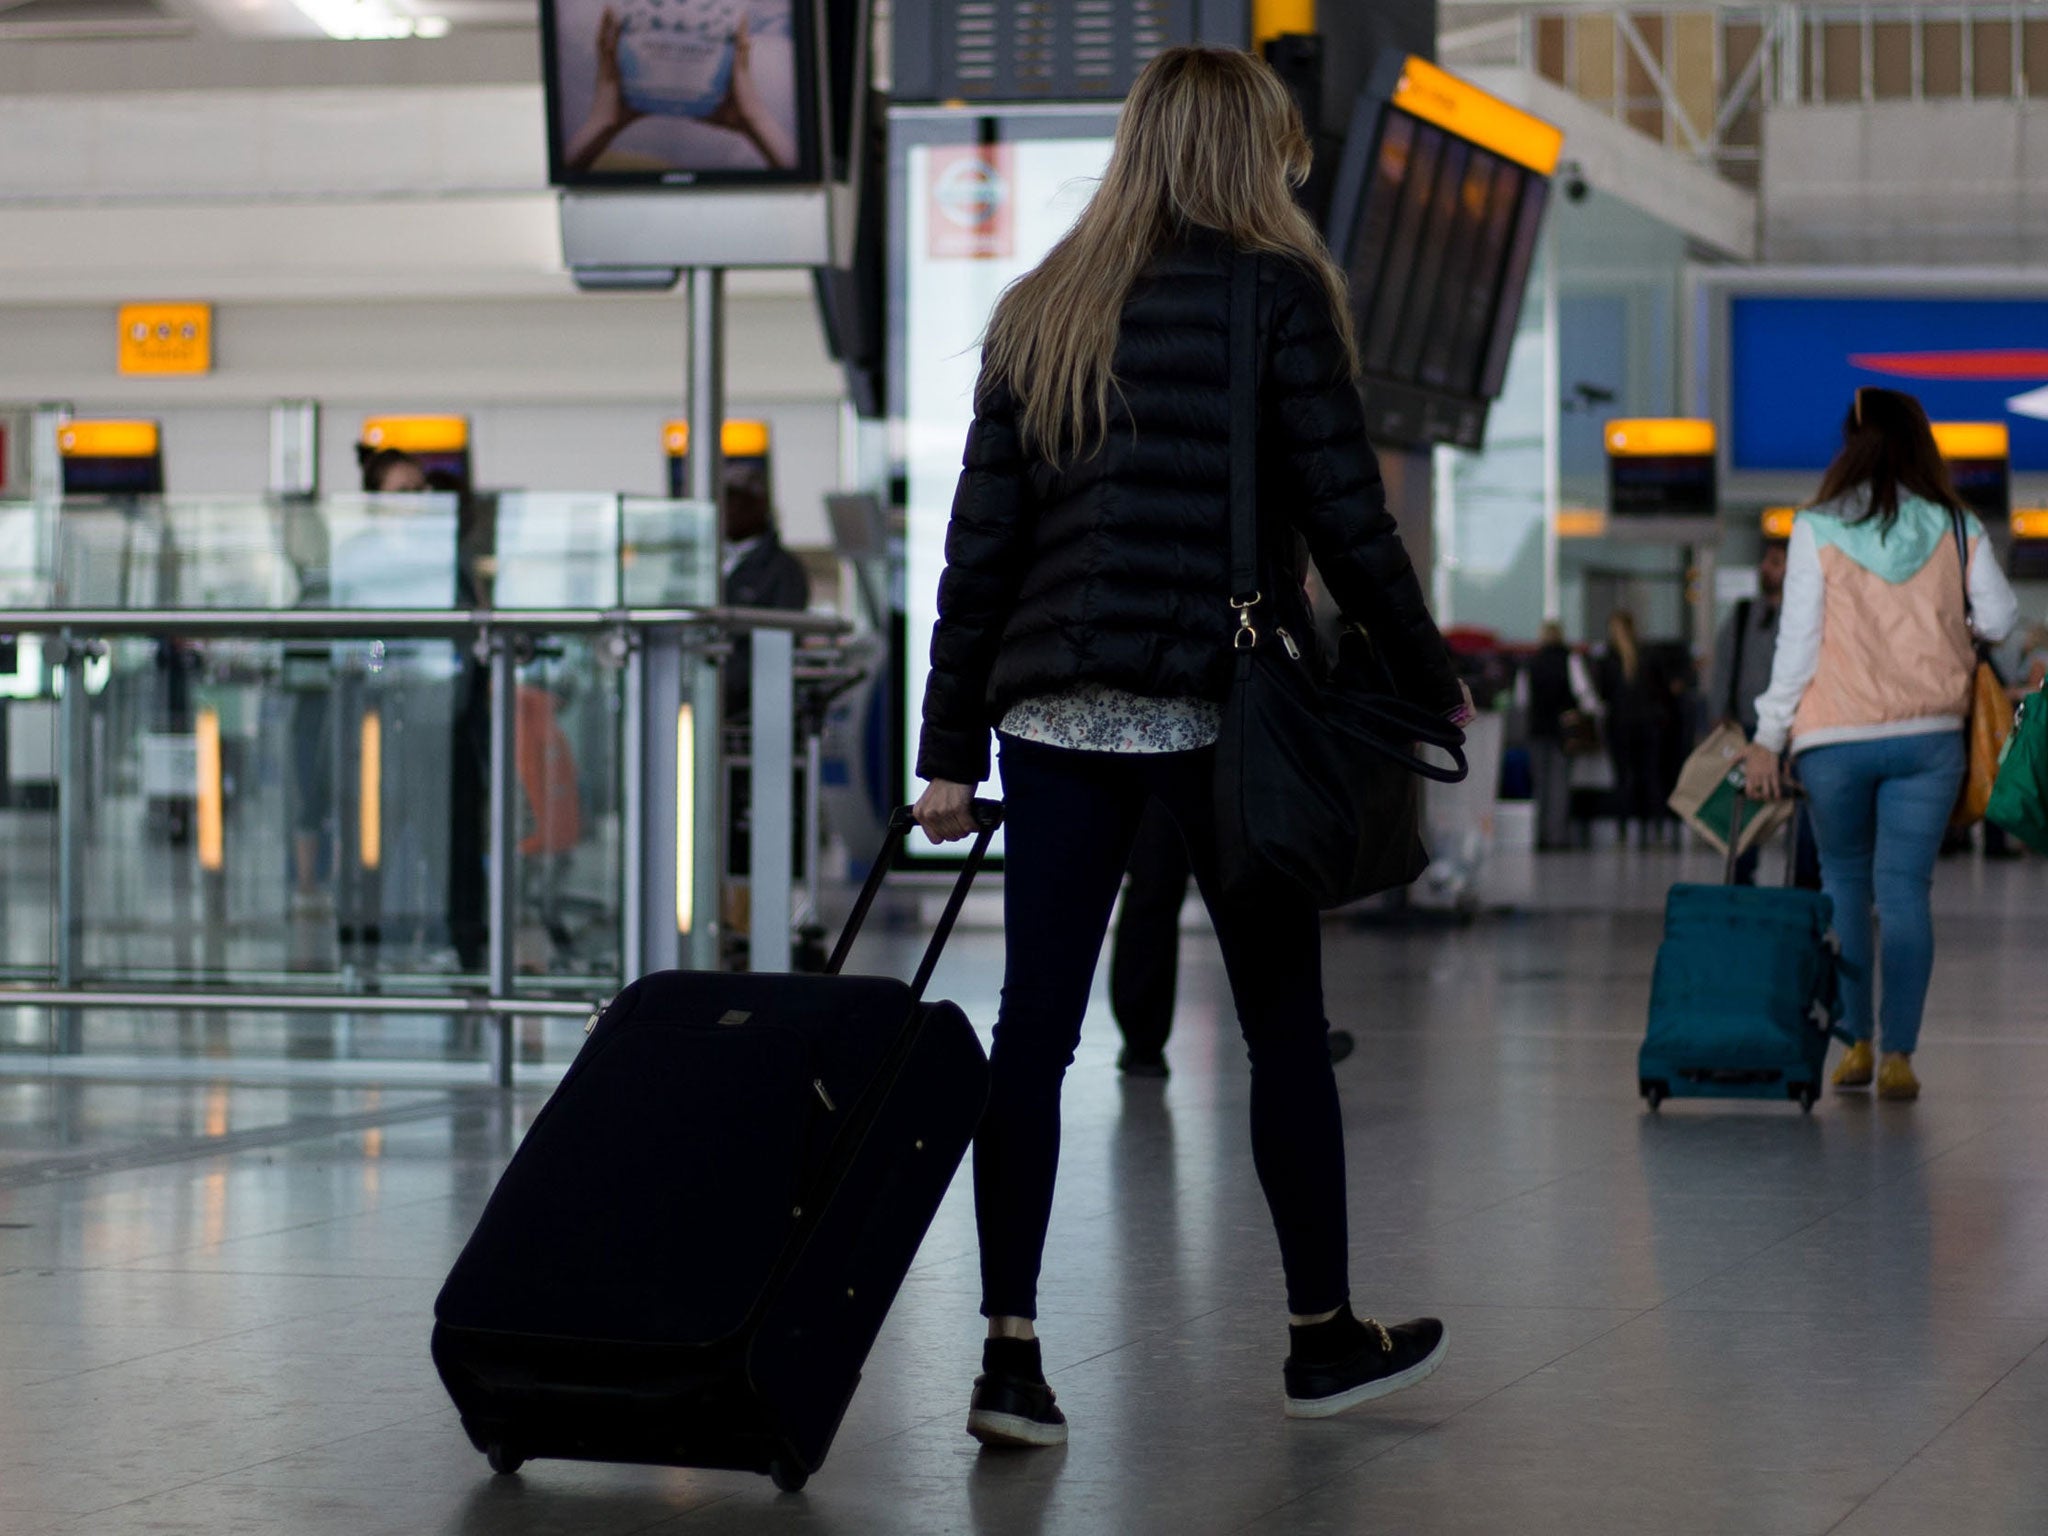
<point x="1136" y="1063"/>
<point x="1344" y="1362"/>
<point x="1012" y="1404"/>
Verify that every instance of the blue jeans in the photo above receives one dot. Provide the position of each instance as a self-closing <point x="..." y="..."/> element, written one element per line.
<point x="1879" y="811"/>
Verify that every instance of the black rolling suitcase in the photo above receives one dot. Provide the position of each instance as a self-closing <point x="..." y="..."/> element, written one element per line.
<point x="689" y="1257"/>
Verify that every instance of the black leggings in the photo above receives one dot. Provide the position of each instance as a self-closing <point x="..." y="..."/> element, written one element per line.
<point x="1071" y="819"/>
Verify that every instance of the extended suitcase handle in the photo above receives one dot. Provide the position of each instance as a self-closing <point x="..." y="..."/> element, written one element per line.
<point x="988" y="816"/>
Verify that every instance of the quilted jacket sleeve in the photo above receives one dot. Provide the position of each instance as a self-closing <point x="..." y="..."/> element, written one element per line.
<point x="1327" y="476"/>
<point x="987" y="549"/>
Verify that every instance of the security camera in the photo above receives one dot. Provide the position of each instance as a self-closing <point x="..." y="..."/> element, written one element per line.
<point x="1575" y="188"/>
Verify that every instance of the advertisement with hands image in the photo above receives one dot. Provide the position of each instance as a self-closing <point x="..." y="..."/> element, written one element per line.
<point x="671" y="91"/>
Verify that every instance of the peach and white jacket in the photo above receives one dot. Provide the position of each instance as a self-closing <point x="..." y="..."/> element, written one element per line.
<point x="1873" y="640"/>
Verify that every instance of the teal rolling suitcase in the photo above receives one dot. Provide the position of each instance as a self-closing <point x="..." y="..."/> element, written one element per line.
<point x="1745" y="996"/>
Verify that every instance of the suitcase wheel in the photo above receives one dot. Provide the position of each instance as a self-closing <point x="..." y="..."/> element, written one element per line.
<point x="1656" y="1090"/>
<point x="503" y="1458"/>
<point x="1808" y="1094"/>
<point x="788" y="1474"/>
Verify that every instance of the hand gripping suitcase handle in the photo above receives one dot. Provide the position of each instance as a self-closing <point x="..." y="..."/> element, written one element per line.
<point x="988" y="816"/>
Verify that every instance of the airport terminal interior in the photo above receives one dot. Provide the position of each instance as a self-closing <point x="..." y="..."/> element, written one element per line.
<point x="474" y="484"/>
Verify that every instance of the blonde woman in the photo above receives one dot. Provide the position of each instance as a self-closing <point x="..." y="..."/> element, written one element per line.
<point x="1084" y="616"/>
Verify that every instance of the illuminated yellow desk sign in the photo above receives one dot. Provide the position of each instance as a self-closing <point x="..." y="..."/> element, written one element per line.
<point x="166" y="339"/>
<point x="1777" y="522"/>
<point x="108" y="440"/>
<point x="736" y="439"/>
<point x="1471" y="114"/>
<point x="1979" y="455"/>
<point x="417" y="434"/>
<point x="1581" y="523"/>
<point x="1661" y="467"/>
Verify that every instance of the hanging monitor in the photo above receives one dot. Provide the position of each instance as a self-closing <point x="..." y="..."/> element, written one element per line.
<point x="1435" y="214"/>
<point x="682" y="92"/>
<point x="111" y="458"/>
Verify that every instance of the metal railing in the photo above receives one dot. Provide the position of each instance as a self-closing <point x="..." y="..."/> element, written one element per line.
<point x="649" y="816"/>
<point x="1699" y="78"/>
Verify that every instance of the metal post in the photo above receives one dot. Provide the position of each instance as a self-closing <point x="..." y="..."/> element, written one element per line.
<point x="503" y="789"/>
<point x="707" y="421"/>
<point x="773" y="782"/>
<point x="633" y="814"/>
<point x="1553" y="444"/>
<point x="654" y="820"/>
<point x="74" y="724"/>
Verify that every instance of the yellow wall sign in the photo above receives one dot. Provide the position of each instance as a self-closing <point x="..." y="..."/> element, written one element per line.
<point x="160" y="339"/>
<point x="1442" y="98"/>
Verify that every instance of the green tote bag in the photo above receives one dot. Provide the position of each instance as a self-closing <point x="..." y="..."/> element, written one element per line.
<point x="2019" y="800"/>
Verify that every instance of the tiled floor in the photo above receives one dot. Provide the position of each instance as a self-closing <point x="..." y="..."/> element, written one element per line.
<point x="215" y="1296"/>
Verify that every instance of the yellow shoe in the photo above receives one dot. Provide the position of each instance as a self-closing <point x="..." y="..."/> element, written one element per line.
<point x="1895" y="1078"/>
<point x="1855" y="1068"/>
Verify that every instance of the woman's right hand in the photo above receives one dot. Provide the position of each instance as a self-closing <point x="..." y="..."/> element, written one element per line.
<point x="1762" y="777"/>
<point x="946" y="811"/>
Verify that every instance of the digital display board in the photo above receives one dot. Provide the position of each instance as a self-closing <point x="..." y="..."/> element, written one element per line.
<point x="2029" y="558"/>
<point x="1661" y="468"/>
<point x="1979" y="457"/>
<point x="1438" y="205"/>
<point x="1794" y="361"/>
<point x="681" y="92"/>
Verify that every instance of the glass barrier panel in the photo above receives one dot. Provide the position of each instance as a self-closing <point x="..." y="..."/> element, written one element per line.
<point x="556" y="551"/>
<point x="668" y="553"/>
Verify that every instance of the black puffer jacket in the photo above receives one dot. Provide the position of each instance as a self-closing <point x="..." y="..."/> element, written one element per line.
<point x="1116" y="569"/>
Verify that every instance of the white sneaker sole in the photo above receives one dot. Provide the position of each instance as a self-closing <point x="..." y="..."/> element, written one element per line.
<point x="1013" y="1429"/>
<point x="1385" y="1386"/>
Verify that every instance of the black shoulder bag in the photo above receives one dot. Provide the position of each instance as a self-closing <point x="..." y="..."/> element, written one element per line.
<point x="1316" y="777"/>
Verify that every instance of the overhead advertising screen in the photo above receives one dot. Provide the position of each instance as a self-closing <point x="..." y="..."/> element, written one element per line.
<point x="1438" y="204"/>
<point x="1795" y="360"/>
<point x="980" y="200"/>
<point x="680" y="92"/>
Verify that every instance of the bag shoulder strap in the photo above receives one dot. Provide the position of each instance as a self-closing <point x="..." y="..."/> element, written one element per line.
<point x="1244" y="429"/>
<point x="1962" y="533"/>
<point x="1743" y="609"/>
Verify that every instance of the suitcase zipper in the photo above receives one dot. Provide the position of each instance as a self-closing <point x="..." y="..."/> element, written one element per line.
<point x="1293" y="650"/>
<point x="824" y="1098"/>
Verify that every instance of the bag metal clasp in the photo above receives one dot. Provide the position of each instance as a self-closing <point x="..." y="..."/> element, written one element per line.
<point x="1246" y="637"/>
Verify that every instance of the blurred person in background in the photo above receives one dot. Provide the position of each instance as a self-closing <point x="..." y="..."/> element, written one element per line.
<point x="1564" y="722"/>
<point x="1636" y="699"/>
<point x="1743" y="649"/>
<point x="1870" y="692"/>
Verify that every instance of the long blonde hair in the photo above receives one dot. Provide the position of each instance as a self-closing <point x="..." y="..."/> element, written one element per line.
<point x="1209" y="137"/>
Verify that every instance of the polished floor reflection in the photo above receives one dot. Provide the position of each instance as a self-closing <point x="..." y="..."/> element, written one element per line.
<point x="215" y="1295"/>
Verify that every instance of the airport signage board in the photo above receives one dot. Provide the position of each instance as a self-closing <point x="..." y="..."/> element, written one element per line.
<point x="1792" y="361"/>
<point x="158" y="340"/>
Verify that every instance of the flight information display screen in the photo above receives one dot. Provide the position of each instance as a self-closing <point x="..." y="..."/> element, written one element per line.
<point x="1439" y="204"/>
<point x="1662" y="485"/>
